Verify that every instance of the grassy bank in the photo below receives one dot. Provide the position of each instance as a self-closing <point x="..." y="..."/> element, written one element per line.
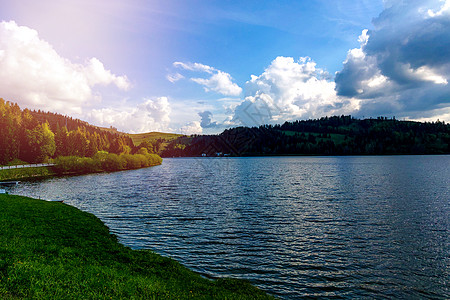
<point x="74" y="165"/>
<point x="104" y="162"/>
<point x="25" y="173"/>
<point x="54" y="251"/>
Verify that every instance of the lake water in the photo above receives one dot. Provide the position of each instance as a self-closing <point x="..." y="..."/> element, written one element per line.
<point x="344" y="227"/>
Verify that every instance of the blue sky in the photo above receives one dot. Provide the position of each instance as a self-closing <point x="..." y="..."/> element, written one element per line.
<point x="203" y="66"/>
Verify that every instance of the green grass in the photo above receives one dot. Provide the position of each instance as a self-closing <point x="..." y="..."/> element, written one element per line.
<point x="24" y="173"/>
<point x="152" y="136"/>
<point x="49" y="250"/>
<point x="73" y="165"/>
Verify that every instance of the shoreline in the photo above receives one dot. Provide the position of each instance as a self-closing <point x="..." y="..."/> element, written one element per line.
<point x="51" y="249"/>
<point x="48" y="172"/>
<point x="311" y="155"/>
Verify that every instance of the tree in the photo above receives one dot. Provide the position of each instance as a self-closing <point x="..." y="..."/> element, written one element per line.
<point x="119" y="145"/>
<point x="147" y="145"/>
<point x="61" y="141"/>
<point x="77" y="142"/>
<point x="92" y="146"/>
<point x="143" y="151"/>
<point x="41" y="143"/>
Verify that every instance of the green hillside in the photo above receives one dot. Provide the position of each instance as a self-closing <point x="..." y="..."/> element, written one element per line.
<point x="152" y="136"/>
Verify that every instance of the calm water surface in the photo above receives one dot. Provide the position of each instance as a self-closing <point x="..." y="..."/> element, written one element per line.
<point x="344" y="227"/>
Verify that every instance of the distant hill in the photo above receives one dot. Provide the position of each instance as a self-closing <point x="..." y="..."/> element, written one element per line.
<point x="155" y="141"/>
<point x="111" y="129"/>
<point x="152" y="137"/>
<point x="60" y="120"/>
<point x="337" y="135"/>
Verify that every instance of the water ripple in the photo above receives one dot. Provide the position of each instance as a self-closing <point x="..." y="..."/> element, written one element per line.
<point x="310" y="227"/>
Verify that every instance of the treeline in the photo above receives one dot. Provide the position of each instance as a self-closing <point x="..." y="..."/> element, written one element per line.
<point x="35" y="136"/>
<point x="337" y="135"/>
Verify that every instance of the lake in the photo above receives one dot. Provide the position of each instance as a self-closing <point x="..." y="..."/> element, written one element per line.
<point x="344" y="227"/>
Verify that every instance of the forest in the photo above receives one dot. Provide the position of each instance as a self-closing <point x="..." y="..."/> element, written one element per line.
<point x="337" y="135"/>
<point x="36" y="136"/>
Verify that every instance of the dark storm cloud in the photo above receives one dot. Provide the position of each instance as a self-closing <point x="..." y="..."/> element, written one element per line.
<point x="404" y="64"/>
<point x="206" y="120"/>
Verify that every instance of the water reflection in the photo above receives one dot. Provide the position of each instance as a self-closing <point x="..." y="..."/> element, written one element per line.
<point x="371" y="227"/>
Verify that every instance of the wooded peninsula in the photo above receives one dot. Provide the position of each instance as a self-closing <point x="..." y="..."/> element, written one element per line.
<point x="73" y="145"/>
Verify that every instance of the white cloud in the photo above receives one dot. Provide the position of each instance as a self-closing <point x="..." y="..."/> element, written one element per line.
<point x="289" y="90"/>
<point x="218" y="80"/>
<point x="194" y="67"/>
<point x="96" y="73"/>
<point x="364" y="79"/>
<point x="364" y="37"/>
<point x="193" y="127"/>
<point x="425" y="73"/>
<point x="34" y="75"/>
<point x="150" y="115"/>
<point x="445" y="9"/>
<point x="435" y="115"/>
<point x="174" y="77"/>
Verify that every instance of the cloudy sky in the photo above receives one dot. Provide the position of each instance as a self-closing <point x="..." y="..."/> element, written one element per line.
<point x="202" y="66"/>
